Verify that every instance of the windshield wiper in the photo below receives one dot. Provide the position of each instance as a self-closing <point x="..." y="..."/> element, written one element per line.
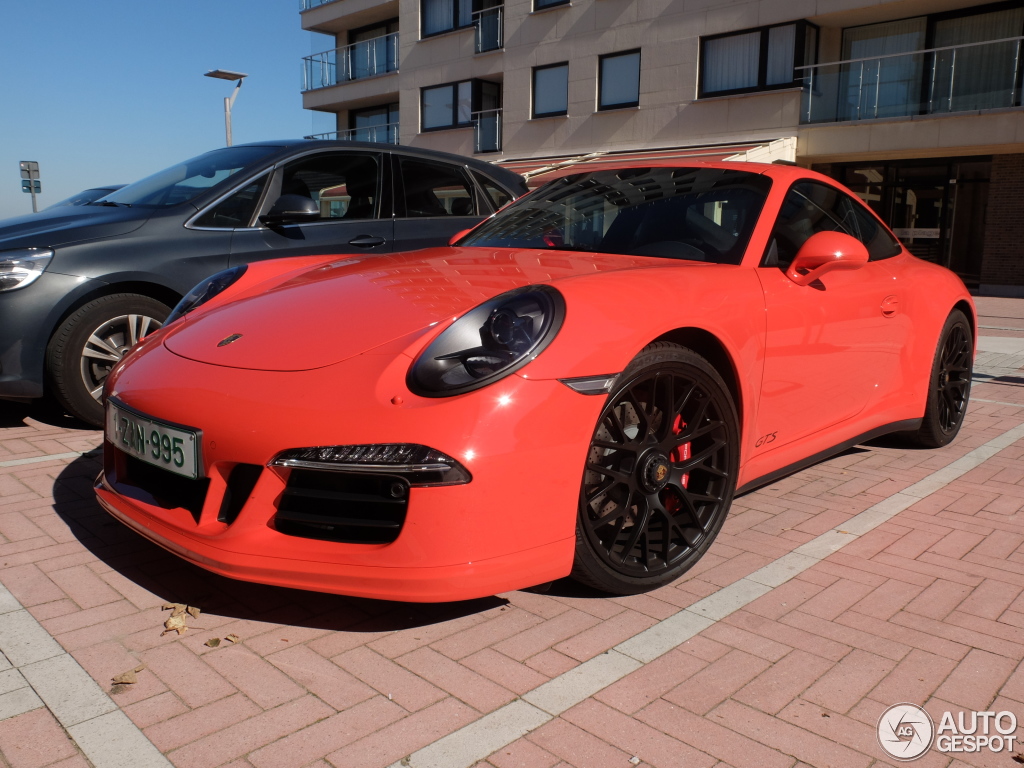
<point x="110" y="203"/>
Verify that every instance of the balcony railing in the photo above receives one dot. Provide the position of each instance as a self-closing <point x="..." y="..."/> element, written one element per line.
<point x="385" y="133"/>
<point x="307" y="4"/>
<point x="959" y="78"/>
<point x="487" y="131"/>
<point x="351" y="62"/>
<point x="489" y="24"/>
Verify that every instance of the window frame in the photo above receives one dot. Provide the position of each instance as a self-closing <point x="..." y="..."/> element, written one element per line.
<point x="600" y="79"/>
<point x="475" y="96"/>
<point x="767" y="262"/>
<point x="534" y="114"/>
<point x="539" y="5"/>
<point x="800" y="58"/>
<point x="401" y="204"/>
<point x="455" y="19"/>
<point x="383" y="191"/>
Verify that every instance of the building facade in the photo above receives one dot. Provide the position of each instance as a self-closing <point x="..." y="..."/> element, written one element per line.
<point x="914" y="104"/>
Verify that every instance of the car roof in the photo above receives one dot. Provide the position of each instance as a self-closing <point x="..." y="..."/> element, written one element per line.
<point x="502" y="175"/>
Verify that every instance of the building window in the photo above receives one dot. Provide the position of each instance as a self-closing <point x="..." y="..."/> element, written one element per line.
<point x="540" y="5"/>
<point x="437" y="16"/>
<point x="551" y="90"/>
<point x="374" y="124"/>
<point x="756" y="59"/>
<point x="618" y="80"/>
<point x="455" y="105"/>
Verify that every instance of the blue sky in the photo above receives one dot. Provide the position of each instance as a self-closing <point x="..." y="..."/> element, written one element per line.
<point x="109" y="91"/>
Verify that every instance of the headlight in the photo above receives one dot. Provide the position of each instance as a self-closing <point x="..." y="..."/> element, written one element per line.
<point x="488" y="343"/>
<point x="205" y="291"/>
<point x="22" y="267"/>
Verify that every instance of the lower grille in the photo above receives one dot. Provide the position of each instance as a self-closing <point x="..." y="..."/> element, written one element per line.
<point x="342" y="506"/>
<point x="166" y="489"/>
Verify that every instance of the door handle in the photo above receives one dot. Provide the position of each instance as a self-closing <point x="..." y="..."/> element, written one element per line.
<point x="890" y="306"/>
<point x="366" y="241"/>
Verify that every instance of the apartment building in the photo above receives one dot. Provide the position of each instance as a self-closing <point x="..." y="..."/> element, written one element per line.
<point x="914" y="104"/>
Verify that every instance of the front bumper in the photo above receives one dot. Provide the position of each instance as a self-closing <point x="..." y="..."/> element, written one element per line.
<point x="512" y="526"/>
<point x="27" y="317"/>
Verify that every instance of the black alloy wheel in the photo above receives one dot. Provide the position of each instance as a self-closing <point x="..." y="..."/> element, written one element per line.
<point x="660" y="473"/>
<point x="949" y="386"/>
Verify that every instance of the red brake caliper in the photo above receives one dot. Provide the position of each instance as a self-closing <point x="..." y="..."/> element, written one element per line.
<point x="682" y="453"/>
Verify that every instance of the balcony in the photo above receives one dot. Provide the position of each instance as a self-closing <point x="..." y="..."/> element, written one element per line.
<point x="367" y="58"/>
<point x="385" y="133"/>
<point x="307" y="4"/>
<point x="937" y="81"/>
<point x="487" y="131"/>
<point x="490" y="31"/>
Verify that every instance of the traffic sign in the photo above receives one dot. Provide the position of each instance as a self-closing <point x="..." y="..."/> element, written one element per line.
<point x="29" y="169"/>
<point x="30" y="186"/>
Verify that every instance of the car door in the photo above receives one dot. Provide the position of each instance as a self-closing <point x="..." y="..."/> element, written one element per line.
<point x="831" y="347"/>
<point x="437" y="200"/>
<point x="355" y="208"/>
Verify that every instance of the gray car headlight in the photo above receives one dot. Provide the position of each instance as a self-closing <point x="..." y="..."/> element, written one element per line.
<point x="22" y="267"/>
<point x="489" y="342"/>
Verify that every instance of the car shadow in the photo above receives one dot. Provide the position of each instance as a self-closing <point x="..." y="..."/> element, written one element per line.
<point x="177" y="581"/>
<point x="16" y="414"/>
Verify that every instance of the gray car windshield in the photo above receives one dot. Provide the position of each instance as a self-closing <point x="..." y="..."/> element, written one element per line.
<point x="695" y="214"/>
<point x="180" y="183"/>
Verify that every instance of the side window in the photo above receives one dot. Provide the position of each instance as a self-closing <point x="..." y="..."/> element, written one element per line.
<point x="811" y="207"/>
<point x="498" y="196"/>
<point x="435" y="189"/>
<point x="345" y="186"/>
<point x="236" y="210"/>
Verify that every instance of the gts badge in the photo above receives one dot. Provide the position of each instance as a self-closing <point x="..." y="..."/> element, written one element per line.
<point x="764" y="440"/>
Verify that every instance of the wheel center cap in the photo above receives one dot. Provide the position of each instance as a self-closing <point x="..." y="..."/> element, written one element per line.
<point x="944" y="378"/>
<point x="654" y="471"/>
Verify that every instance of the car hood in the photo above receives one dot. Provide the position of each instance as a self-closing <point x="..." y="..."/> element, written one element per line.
<point x="344" y="308"/>
<point x="69" y="224"/>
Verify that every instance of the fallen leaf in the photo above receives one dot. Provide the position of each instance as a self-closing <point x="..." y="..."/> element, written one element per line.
<point x="1018" y="758"/>
<point x="846" y="532"/>
<point x="213" y="642"/>
<point x="233" y="638"/>
<point x="119" y="688"/>
<point x="125" y="678"/>
<point x="139" y="668"/>
<point x="176" y="623"/>
<point x="825" y="714"/>
<point x="407" y="760"/>
<point x="193" y="611"/>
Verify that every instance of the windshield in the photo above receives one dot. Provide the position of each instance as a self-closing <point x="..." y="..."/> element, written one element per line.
<point x="697" y="214"/>
<point x="180" y="183"/>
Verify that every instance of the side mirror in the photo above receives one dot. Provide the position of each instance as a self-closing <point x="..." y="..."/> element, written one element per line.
<point x="825" y="252"/>
<point x="458" y="236"/>
<point x="291" y="209"/>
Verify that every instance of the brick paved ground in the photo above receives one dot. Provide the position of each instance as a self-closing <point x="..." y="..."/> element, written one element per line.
<point x="927" y="608"/>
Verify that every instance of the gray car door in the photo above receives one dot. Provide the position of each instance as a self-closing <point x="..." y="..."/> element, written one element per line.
<point x="355" y="208"/>
<point x="437" y="200"/>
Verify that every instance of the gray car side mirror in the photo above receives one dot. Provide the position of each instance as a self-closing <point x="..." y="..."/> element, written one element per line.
<point x="291" y="209"/>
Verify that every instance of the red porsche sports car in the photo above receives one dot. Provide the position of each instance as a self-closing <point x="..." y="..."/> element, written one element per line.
<point x="578" y="386"/>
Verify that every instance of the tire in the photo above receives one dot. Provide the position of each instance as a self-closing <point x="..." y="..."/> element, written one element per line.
<point x="660" y="473"/>
<point x="949" y="384"/>
<point x="90" y="341"/>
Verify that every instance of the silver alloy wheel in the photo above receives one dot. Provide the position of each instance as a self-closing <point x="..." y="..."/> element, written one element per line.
<point x="108" y="343"/>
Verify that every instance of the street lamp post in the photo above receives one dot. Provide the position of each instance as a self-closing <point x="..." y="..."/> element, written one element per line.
<point x="224" y="74"/>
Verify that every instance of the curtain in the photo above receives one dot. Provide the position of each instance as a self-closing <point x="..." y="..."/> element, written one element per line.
<point x="781" y="53"/>
<point x="882" y="87"/>
<point x="437" y="16"/>
<point x="979" y="77"/>
<point x="732" y="62"/>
